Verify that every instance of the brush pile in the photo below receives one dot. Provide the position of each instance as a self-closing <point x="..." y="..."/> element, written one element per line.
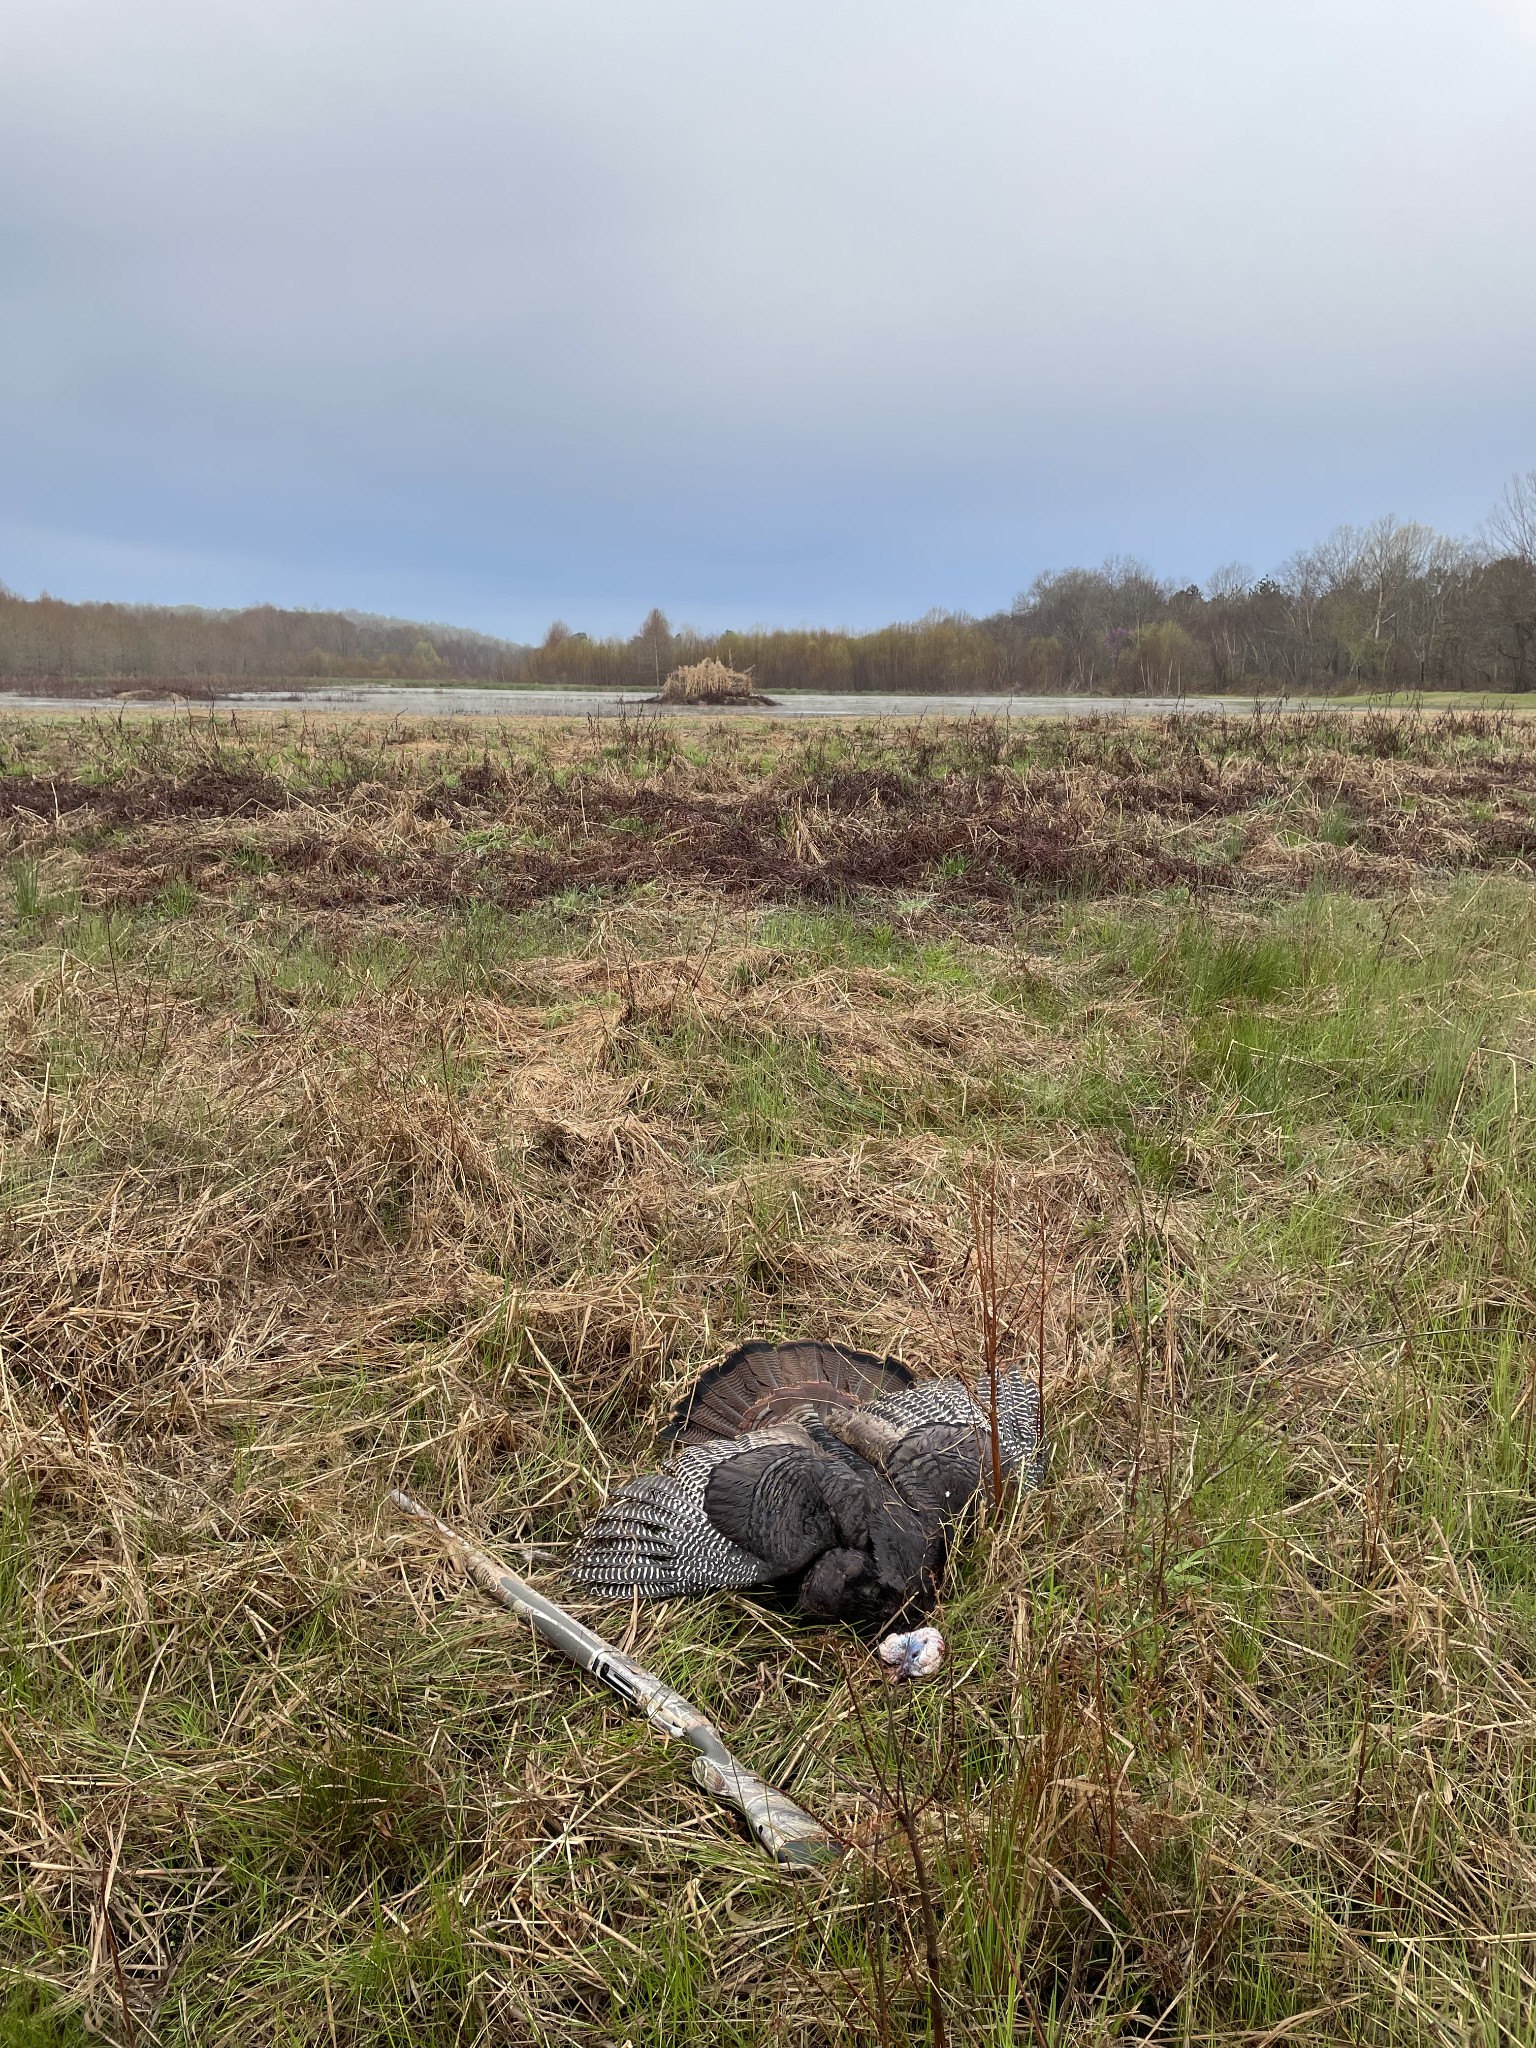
<point x="709" y="682"/>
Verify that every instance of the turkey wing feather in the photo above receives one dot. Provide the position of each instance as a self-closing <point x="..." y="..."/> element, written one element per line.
<point x="773" y="1503"/>
<point x="654" y="1536"/>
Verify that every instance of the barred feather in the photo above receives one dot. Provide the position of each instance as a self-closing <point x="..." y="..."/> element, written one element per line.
<point x="1019" y="1425"/>
<point x="760" y="1383"/>
<point x="950" y="1400"/>
<point x="654" y="1538"/>
<point x="914" y="1457"/>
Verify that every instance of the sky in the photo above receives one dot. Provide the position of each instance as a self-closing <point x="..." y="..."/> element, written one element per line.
<point x="764" y="311"/>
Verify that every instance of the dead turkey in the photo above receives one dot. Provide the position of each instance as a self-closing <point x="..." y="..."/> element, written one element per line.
<point x="834" y="1476"/>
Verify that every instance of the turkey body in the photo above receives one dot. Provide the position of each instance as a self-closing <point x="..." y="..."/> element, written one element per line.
<point x="834" y="1476"/>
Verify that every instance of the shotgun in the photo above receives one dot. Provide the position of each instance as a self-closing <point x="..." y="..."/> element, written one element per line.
<point x="791" y="1837"/>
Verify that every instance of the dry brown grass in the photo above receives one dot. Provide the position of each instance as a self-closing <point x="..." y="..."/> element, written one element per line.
<point x="339" y="818"/>
<point x="709" y="682"/>
<point x="314" y="1186"/>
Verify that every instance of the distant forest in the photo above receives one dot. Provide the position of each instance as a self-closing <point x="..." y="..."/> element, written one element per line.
<point x="1391" y="605"/>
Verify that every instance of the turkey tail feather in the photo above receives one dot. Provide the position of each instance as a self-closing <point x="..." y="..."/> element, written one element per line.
<point x="760" y="1384"/>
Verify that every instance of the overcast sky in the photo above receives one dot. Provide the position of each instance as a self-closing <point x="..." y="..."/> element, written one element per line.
<point x="759" y="310"/>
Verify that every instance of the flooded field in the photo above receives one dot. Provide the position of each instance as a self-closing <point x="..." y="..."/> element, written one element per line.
<point x="462" y="701"/>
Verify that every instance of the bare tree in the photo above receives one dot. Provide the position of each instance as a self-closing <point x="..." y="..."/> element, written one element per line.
<point x="1510" y="577"/>
<point x="1511" y="525"/>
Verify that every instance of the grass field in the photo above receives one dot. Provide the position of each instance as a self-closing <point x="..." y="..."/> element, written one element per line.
<point x="1466" y="701"/>
<point x="403" y="1104"/>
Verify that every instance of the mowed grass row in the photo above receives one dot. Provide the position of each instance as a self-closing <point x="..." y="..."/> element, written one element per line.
<point x="1235" y="1742"/>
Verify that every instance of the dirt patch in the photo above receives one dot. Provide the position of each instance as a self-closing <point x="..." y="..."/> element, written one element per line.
<point x="211" y="791"/>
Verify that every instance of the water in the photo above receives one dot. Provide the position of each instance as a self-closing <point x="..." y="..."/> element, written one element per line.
<point x="463" y="701"/>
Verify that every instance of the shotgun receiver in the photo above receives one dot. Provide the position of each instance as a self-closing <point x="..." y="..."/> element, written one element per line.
<point x="791" y="1837"/>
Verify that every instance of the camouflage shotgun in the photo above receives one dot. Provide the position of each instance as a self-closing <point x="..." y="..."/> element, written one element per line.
<point x="791" y="1837"/>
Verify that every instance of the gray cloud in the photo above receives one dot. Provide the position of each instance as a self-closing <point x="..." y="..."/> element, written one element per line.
<point x="759" y="310"/>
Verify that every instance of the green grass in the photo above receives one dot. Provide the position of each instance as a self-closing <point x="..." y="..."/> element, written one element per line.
<point x="844" y="939"/>
<point x="1433" y="700"/>
<point x="302" y="1198"/>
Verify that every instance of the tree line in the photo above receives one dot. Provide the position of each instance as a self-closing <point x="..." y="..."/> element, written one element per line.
<point x="45" y="637"/>
<point x="1391" y="605"/>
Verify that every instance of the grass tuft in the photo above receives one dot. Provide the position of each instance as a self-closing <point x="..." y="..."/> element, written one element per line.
<point x="425" y="1106"/>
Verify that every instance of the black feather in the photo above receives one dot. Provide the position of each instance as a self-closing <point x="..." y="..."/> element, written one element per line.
<point x="849" y="1508"/>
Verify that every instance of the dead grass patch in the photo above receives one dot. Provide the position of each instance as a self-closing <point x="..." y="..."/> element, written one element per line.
<point x="1237" y="1741"/>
